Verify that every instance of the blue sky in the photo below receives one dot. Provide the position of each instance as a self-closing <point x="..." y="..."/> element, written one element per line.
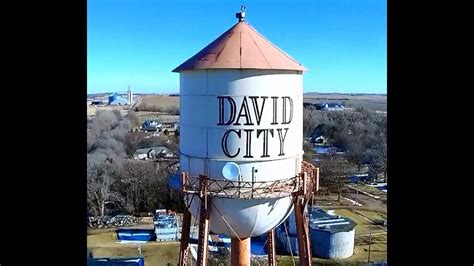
<point x="343" y="43"/>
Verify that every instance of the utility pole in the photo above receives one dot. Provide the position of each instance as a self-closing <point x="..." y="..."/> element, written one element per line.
<point x="370" y="242"/>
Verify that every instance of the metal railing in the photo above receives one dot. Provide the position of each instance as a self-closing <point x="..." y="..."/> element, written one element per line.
<point x="247" y="189"/>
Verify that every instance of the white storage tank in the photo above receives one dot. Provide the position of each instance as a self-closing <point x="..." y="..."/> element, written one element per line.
<point x="332" y="236"/>
<point x="241" y="101"/>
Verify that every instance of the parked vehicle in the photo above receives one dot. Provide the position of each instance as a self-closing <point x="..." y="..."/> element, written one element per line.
<point x="151" y="125"/>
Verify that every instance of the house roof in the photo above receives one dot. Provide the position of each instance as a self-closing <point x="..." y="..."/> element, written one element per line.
<point x="158" y="149"/>
<point x="317" y="131"/>
<point x="119" y="101"/>
<point x="241" y="47"/>
<point x="143" y="151"/>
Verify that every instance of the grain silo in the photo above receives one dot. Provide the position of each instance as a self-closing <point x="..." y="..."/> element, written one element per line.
<point x="130" y="96"/>
<point x="113" y="97"/>
<point x="116" y="99"/>
<point x="241" y="104"/>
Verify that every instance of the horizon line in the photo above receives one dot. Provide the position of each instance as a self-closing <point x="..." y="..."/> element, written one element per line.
<point x="111" y="92"/>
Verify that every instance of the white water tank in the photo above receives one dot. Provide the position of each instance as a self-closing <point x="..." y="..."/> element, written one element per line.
<point x="241" y="101"/>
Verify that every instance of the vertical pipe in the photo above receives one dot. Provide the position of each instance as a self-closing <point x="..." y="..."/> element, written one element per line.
<point x="271" y="248"/>
<point x="317" y="179"/>
<point x="240" y="251"/>
<point x="370" y="243"/>
<point x="186" y="224"/>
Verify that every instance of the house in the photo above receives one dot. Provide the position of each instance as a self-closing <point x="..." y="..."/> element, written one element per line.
<point x="329" y="106"/>
<point x="317" y="135"/>
<point x="152" y="153"/>
<point x="142" y="154"/>
<point x="160" y="152"/>
<point x="320" y="140"/>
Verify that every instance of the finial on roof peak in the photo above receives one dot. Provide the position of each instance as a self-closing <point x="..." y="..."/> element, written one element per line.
<point x="241" y="14"/>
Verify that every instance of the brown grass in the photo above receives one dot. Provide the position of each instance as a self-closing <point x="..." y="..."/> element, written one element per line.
<point x="166" y="104"/>
<point x="154" y="253"/>
<point x="374" y="102"/>
<point x="92" y="110"/>
<point x="335" y="96"/>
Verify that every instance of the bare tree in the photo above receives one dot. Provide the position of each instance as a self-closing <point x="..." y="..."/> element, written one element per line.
<point x="107" y="131"/>
<point x="105" y="136"/>
<point x="378" y="158"/>
<point x="309" y="121"/>
<point x="100" y="178"/>
<point x="135" y="177"/>
<point x="132" y="140"/>
<point x="144" y="186"/>
<point x="133" y="118"/>
<point x="333" y="173"/>
<point x="356" y="153"/>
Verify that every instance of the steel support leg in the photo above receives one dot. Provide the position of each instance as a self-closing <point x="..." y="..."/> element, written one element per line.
<point x="203" y="222"/>
<point x="304" y="246"/>
<point x="240" y="252"/>
<point x="183" y="249"/>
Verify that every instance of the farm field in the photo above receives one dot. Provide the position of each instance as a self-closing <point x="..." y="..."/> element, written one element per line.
<point x="374" y="102"/>
<point x="165" y="104"/>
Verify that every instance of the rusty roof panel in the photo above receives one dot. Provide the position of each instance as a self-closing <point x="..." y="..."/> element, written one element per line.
<point x="241" y="47"/>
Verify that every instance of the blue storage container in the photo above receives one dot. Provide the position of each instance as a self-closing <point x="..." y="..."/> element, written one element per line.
<point x="143" y="235"/>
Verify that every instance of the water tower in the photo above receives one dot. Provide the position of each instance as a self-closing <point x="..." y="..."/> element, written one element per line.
<point x="241" y="136"/>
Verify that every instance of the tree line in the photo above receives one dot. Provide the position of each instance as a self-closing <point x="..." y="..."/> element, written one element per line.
<point x="115" y="182"/>
<point x="361" y="134"/>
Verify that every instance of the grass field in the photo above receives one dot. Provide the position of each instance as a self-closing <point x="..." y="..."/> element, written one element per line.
<point x="166" y="104"/>
<point x="92" y="110"/>
<point x="154" y="253"/>
<point x="373" y="215"/>
<point x="374" y="102"/>
<point x="369" y="189"/>
<point x="103" y="244"/>
<point x="361" y="246"/>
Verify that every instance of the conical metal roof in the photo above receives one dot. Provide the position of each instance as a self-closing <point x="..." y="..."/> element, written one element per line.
<point x="241" y="47"/>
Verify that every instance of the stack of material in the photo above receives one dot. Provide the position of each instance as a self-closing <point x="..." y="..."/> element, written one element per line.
<point x="166" y="226"/>
<point x="116" y="221"/>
